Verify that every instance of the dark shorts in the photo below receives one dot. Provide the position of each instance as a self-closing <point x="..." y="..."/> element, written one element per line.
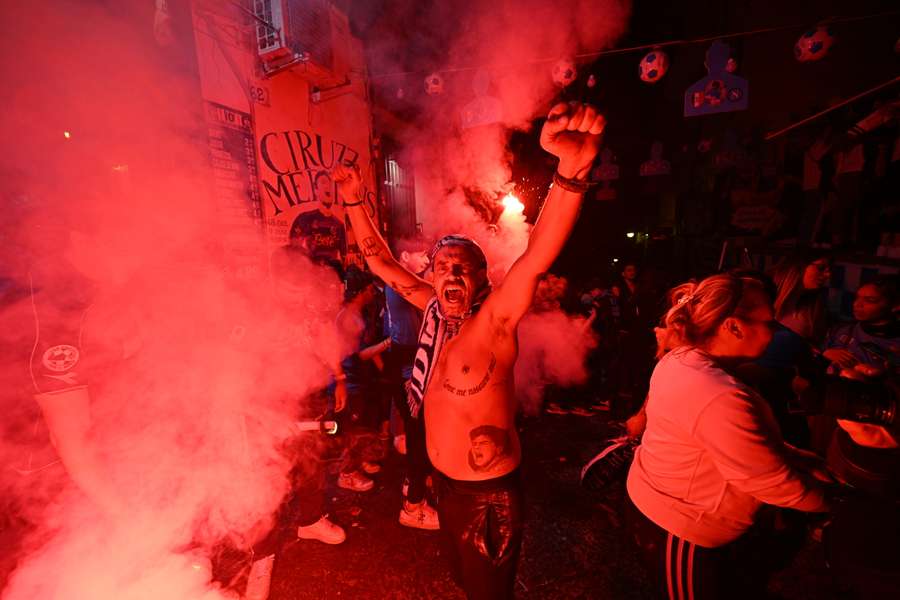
<point x="481" y="526"/>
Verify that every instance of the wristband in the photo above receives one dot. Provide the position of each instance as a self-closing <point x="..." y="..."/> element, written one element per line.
<point x="572" y="185"/>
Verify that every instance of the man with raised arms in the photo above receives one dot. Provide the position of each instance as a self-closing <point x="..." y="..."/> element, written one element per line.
<point x="463" y="370"/>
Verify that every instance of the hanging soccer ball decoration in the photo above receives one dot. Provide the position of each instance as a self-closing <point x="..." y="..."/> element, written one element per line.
<point x="653" y="66"/>
<point x="731" y="66"/>
<point x="591" y="81"/>
<point x="814" y="44"/>
<point x="564" y="72"/>
<point x="434" y="84"/>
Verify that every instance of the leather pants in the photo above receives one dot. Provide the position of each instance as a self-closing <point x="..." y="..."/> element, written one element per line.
<point x="481" y="526"/>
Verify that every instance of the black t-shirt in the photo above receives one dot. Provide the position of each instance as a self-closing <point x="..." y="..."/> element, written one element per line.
<point x="58" y="360"/>
<point x="323" y="236"/>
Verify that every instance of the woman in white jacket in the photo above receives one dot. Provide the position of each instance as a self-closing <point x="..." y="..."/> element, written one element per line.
<point x="712" y="453"/>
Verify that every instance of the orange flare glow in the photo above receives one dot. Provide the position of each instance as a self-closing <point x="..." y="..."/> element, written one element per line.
<point x="512" y="204"/>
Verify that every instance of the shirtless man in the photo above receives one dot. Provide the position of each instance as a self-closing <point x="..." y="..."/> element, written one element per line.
<point x="463" y="371"/>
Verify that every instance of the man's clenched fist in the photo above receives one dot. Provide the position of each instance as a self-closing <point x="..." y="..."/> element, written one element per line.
<point x="348" y="181"/>
<point x="572" y="132"/>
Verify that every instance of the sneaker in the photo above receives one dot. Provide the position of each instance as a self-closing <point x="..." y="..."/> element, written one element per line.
<point x="355" y="481"/>
<point x="555" y="409"/>
<point x="370" y="468"/>
<point x="582" y="412"/>
<point x="259" y="579"/>
<point x="400" y="444"/>
<point x="322" y="530"/>
<point x="420" y="516"/>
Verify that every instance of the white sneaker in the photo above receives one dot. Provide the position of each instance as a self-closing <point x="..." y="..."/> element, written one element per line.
<point x="355" y="481"/>
<point x="400" y="444"/>
<point x="322" y="530"/>
<point x="420" y="516"/>
<point x="260" y="579"/>
<point x="370" y="468"/>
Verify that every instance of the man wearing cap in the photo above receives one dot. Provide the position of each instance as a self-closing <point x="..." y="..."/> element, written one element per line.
<point x="463" y="369"/>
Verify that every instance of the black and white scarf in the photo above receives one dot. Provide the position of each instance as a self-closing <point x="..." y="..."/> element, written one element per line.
<point x="436" y="330"/>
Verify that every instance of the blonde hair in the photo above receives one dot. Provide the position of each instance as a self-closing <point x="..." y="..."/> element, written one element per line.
<point x="699" y="308"/>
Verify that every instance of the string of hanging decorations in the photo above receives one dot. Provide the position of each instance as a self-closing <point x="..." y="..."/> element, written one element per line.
<point x="812" y="45"/>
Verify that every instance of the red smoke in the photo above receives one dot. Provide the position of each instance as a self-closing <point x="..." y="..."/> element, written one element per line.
<point x="511" y="46"/>
<point x="193" y="376"/>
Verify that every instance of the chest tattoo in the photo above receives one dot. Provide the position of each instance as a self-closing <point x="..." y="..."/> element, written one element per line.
<point x="478" y="387"/>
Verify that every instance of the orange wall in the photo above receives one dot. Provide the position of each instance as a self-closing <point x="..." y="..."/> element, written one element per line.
<point x="295" y="138"/>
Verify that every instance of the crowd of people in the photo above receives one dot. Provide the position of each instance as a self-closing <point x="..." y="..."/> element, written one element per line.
<point x="748" y="406"/>
<point x="712" y="381"/>
<point x="749" y="421"/>
<point x="724" y="386"/>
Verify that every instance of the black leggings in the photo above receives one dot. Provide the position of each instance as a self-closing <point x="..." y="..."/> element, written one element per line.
<point x="481" y="527"/>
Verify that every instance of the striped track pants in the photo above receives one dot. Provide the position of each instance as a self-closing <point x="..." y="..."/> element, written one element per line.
<point x="685" y="571"/>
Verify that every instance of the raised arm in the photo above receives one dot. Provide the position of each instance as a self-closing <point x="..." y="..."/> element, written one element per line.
<point x="572" y="133"/>
<point x="375" y="250"/>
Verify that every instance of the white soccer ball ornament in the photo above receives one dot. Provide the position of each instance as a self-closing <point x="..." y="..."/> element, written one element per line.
<point x="814" y="44"/>
<point x="653" y="66"/>
<point x="564" y="72"/>
<point x="434" y="85"/>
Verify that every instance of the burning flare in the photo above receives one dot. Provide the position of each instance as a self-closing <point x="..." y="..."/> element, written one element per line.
<point x="512" y="205"/>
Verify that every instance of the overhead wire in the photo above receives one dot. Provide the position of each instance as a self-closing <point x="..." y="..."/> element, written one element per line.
<point x="650" y="46"/>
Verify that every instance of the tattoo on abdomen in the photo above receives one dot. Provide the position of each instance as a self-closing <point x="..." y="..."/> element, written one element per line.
<point x="370" y="247"/>
<point x="478" y="386"/>
<point x="490" y="447"/>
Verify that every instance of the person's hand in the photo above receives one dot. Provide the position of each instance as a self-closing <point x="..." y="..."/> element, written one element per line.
<point x="379" y="362"/>
<point x="810" y="463"/>
<point x="340" y="396"/>
<point x="572" y="133"/>
<point x="841" y="357"/>
<point x="636" y="424"/>
<point x="348" y="182"/>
